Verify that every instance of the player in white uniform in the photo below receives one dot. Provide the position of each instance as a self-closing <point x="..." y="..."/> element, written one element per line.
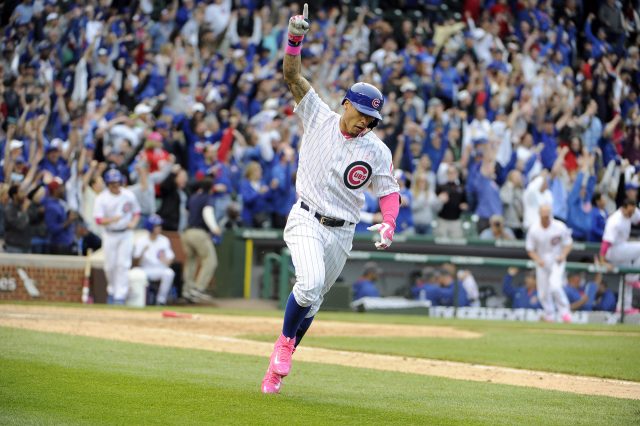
<point x="548" y="244"/>
<point x="155" y="255"/>
<point x="618" y="250"/>
<point x="118" y="211"/>
<point x="339" y="157"/>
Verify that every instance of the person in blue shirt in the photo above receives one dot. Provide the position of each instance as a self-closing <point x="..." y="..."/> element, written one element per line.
<point x="446" y="78"/>
<point x="255" y="197"/>
<point x="54" y="163"/>
<point x="427" y="286"/>
<point x="484" y="191"/>
<point x="546" y="134"/>
<point x="449" y="286"/>
<point x="599" y="45"/>
<point x="404" y="221"/>
<point x="605" y="299"/>
<point x="60" y="223"/>
<point x="523" y="297"/>
<point x="581" y="294"/>
<point x="365" y="286"/>
<point x="579" y="202"/>
<point x="598" y="217"/>
<point x="282" y="187"/>
<point x="369" y="214"/>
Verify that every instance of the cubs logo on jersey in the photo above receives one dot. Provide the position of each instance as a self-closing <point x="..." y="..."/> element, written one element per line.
<point x="357" y="174"/>
<point x="556" y="240"/>
<point x="126" y="208"/>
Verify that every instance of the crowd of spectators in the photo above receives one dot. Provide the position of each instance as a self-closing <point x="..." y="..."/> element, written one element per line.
<point x="492" y="108"/>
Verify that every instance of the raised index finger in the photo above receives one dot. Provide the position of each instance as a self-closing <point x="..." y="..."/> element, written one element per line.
<point x="305" y="11"/>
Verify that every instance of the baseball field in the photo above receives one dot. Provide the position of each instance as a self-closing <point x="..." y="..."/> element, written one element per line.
<point x="64" y="364"/>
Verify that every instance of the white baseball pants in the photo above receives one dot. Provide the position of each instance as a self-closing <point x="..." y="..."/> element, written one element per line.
<point x="318" y="252"/>
<point x="118" y="250"/>
<point x="166" y="276"/>
<point x="549" y="282"/>
<point x="626" y="254"/>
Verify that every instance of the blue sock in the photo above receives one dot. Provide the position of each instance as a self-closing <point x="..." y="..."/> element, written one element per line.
<point x="293" y="316"/>
<point x="304" y="326"/>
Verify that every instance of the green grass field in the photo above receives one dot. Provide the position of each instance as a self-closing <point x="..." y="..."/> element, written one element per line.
<point x="57" y="379"/>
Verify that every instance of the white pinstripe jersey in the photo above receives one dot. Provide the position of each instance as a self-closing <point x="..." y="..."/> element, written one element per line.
<point x="618" y="227"/>
<point x="334" y="171"/>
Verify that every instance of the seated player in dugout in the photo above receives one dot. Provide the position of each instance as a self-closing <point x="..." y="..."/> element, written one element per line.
<point x="365" y="285"/>
<point x="339" y="156"/>
<point x="521" y="297"/>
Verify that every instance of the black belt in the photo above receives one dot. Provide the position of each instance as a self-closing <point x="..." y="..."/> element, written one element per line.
<point x="118" y="231"/>
<point x="325" y="220"/>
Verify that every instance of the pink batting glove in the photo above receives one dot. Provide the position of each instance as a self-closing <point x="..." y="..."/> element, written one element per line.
<point x="386" y="231"/>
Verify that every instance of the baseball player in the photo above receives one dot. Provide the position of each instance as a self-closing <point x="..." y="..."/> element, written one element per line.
<point x="154" y="255"/>
<point x="548" y="244"/>
<point x="117" y="210"/>
<point x="339" y="157"/>
<point x="616" y="248"/>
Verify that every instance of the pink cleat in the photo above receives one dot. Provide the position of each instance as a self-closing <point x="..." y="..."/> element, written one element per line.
<point x="566" y="318"/>
<point x="271" y="382"/>
<point x="281" y="357"/>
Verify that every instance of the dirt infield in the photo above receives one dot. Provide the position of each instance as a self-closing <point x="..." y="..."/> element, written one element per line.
<point x="219" y="333"/>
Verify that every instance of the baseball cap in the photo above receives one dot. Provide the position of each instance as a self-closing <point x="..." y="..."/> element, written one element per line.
<point x="52" y="16"/>
<point x="198" y="107"/>
<point x="463" y="94"/>
<point x="102" y="51"/>
<point x="15" y="144"/>
<point x="408" y="86"/>
<point x="142" y="109"/>
<point x="155" y="136"/>
<point x="54" y="145"/>
<point x="371" y="267"/>
<point x="55" y="184"/>
<point x="271" y="104"/>
<point x="434" y="102"/>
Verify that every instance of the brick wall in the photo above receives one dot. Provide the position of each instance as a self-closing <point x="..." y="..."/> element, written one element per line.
<point x="55" y="283"/>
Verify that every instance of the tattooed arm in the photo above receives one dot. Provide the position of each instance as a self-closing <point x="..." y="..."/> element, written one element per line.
<point x="298" y="85"/>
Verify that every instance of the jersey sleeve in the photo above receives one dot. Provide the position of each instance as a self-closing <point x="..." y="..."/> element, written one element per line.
<point x="168" y="250"/>
<point x="567" y="239"/>
<point x="609" y="233"/>
<point x="135" y="204"/>
<point x="635" y="219"/>
<point x="312" y="110"/>
<point x="383" y="181"/>
<point x="98" y="209"/>
<point x="138" y="247"/>
<point x="530" y="243"/>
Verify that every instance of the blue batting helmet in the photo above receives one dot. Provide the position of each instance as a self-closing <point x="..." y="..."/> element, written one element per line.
<point x="367" y="99"/>
<point x="152" y="221"/>
<point x="113" y="175"/>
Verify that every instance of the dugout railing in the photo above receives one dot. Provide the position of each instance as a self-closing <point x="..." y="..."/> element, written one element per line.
<point x="282" y="264"/>
<point x="243" y="250"/>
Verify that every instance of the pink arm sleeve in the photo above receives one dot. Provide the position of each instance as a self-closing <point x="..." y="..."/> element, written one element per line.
<point x="604" y="247"/>
<point x="390" y="206"/>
